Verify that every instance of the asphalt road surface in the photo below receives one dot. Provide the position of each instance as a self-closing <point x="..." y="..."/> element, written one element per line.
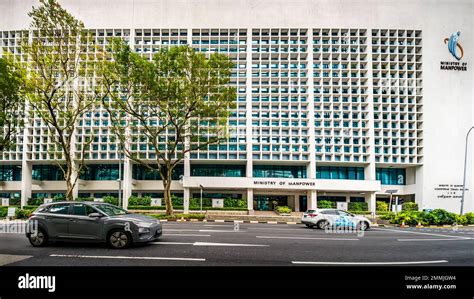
<point x="219" y="244"/>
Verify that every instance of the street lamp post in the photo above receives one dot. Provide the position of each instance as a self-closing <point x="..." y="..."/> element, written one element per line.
<point x="465" y="167"/>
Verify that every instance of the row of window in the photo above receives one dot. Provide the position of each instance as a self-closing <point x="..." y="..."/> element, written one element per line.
<point x="387" y="176"/>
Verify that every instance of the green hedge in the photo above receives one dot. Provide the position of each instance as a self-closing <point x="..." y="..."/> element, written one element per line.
<point x="410" y="206"/>
<point x="381" y="206"/>
<point x="35" y="201"/>
<point x="434" y="217"/>
<point x="3" y="212"/>
<point x="326" y="204"/>
<point x="179" y="216"/>
<point x="139" y="201"/>
<point x="283" y="210"/>
<point x="358" y="206"/>
<point x="111" y="200"/>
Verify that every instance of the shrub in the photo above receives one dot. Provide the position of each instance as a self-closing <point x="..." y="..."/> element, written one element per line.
<point x="235" y="203"/>
<point x="195" y="203"/>
<point x="439" y="217"/>
<point x="139" y="201"/>
<point x="469" y="217"/>
<point x="179" y="216"/>
<point x="326" y="204"/>
<point x="410" y="206"/>
<point x="22" y="214"/>
<point x="461" y="220"/>
<point x="111" y="200"/>
<point x="283" y="210"/>
<point x="387" y="216"/>
<point x="15" y="201"/>
<point x="35" y="201"/>
<point x="176" y="201"/>
<point x="358" y="206"/>
<point x="381" y="206"/>
<point x="58" y="197"/>
<point x="3" y="212"/>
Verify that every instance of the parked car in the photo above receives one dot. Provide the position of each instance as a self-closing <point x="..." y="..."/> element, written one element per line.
<point x="93" y="222"/>
<point x="323" y="218"/>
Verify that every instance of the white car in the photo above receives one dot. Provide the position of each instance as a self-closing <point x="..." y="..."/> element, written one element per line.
<point x="322" y="218"/>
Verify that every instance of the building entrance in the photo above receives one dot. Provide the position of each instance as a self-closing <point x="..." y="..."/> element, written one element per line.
<point x="269" y="202"/>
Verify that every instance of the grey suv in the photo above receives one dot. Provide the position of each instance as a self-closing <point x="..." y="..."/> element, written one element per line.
<point x="91" y="221"/>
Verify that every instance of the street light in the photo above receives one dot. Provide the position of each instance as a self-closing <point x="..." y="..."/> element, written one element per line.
<point x="201" y="197"/>
<point x="391" y="192"/>
<point x="465" y="166"/>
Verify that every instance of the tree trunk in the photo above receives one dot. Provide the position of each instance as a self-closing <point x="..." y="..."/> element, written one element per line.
<point x="167" y="195"/>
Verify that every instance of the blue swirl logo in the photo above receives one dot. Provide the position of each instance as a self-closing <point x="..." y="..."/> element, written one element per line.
<point x="453" y="46"/>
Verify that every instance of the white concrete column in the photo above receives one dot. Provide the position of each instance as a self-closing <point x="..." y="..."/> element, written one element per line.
<point x="370" y="168"/>
<point x="250" y="201"/>
<point x="311" y="169"/>
<point x="370" y="200"/>
<point x="348" y="198"/>
<point x="312" y="199"/>
<point x="127" y="182"/>
<point x="186" y="201"/>
<point x="297" y="202"/>
<point x="248" y="113"/>
<point x="26" y="181"/>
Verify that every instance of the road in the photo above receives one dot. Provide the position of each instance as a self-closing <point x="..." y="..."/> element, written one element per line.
<point x="212" y="244"/>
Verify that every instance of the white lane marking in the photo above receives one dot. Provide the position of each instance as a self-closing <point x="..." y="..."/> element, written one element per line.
<point x="290" y="229"/>
<point x="219" y="225"/>
<point x="129" y="257"/>
<point x="210" y="244"/>
<point x="445" y="239"/>
<point x="187" y="235"/>
<point x="219" y="231"/>
<point x="228" y="244"/>
<point x="410" y="232"/>
<point x="369" y="263"/>
<point x="307" y="238"/>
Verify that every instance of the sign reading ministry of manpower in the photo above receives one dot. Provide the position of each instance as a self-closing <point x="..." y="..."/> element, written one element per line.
<point x="457" y="51"/>
<point x="274" y="183"/>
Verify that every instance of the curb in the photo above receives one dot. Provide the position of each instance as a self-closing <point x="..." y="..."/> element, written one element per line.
<point x="231" y="221"/>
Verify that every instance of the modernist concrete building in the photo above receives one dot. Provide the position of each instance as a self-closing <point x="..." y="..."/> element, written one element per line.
<point x="336" y="100"/>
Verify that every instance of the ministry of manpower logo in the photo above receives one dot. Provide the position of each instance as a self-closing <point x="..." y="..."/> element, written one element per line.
<point x="454" y="46"/>
<point x="457" y="51"/>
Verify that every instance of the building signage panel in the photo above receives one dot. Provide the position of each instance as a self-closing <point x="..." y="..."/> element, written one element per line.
<point x="457" y="51"/>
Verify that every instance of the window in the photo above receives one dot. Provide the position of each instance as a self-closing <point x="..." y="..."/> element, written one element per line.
<point x="218" y="170"/>
<point x="82" y="209"/>
<point x="10" y="173"/>
<point x="391" y="176"/>
<point x="340" y="173"/>
<point x="59" y="209"/>
<point x="141" y="172"/>
<point x="279" y="171"/>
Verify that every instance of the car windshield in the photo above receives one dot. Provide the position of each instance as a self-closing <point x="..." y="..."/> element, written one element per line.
<point x="111" y="210"/>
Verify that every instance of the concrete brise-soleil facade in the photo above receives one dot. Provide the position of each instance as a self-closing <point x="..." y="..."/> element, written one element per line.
<point x="336" y="100"/>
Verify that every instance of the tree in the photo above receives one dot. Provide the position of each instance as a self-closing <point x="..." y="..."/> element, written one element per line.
<point x="176" y="103"/>
<point x="59" y="77"/>
<point x="11" y="103"/>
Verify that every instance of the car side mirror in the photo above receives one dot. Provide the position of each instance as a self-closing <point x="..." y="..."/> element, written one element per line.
<point x="95" y="215"/>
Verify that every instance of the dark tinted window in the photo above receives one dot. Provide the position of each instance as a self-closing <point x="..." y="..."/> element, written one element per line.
<point x="329" y="212"/>
<point x="82" y="209"/>
<point x="62" y="208"/>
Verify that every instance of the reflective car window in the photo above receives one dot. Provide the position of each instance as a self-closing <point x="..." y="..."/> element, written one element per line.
<point x="82" y="209"/>
<point x="59" y="209"/>
<point x="110" y="210"/>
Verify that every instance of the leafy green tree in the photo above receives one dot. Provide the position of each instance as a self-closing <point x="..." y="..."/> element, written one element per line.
<point x="60" y="83"/>
<point x="11" y="102"/>
<point x="176" y="103"/>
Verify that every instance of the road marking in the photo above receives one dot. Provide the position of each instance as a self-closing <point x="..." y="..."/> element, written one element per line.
<point x="210" y="244"/>
<point x="187" y="235"/>
<point x="228" y="244"/>
<point x="129" y="257"/>
<point x="219" y="225"/>
<point x="219" y="231"/>
<point x="182" y="230"/>
<point x="445" y="239"/>
<point x="291" y="229"/>
<point x="369" y="263"/>
<point x="410" y="232"/>
<point x="6" y="259"/>
<point x="307" y="238"/>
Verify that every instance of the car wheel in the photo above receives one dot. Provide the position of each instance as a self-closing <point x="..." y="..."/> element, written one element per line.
<point x="323" y="224"/>
<point x="39" y="239"/>
<point x="363" y="225"/>
<point x="119" y="239"/>
<point x="309" y="225"/>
